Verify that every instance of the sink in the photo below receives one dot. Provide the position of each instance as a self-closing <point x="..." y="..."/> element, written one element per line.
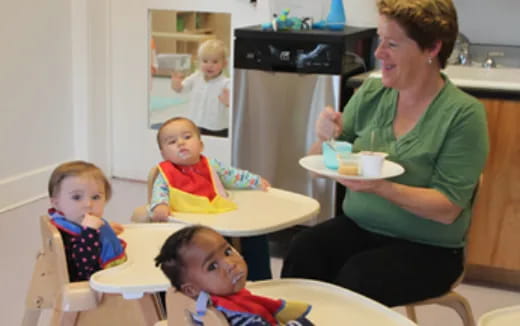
<point x="478" y="64"/>
<point x="465" y="76"/>
<point x="478" y="77"/>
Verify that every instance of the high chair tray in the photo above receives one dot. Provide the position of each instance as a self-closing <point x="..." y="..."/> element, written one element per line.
<point x="138" y="275"/>
<point x="259" y="212"/>
<point x="509" y="316"/>
<point x="331" y="304"/>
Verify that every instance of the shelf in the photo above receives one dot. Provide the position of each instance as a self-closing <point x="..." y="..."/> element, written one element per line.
<point x="187" y="37"/>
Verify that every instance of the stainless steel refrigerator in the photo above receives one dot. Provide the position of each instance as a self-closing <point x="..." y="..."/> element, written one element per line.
<point x="282" y="81"/>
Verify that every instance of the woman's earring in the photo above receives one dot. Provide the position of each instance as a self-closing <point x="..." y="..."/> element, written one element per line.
<point x="430" y="61"/>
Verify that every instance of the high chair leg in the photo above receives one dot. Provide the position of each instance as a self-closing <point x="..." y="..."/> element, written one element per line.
<point x="235" y="242"/>
<point x="160" y="305"/>
<point x="410" y="312"/>
<point x="461" y="305"/>
<point x="31" y="317"/>
<point x="64" y="318"/>
<point x="150" y="308"/>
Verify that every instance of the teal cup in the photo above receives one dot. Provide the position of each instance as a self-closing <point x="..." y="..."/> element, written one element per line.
<point x="330" y="154"/>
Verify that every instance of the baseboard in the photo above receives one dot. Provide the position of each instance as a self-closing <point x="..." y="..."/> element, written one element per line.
<point x="24" y="188"/>
<point x="492" y="276"/>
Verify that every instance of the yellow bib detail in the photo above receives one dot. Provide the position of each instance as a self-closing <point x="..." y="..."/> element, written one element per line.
<point x="181" y="201"/>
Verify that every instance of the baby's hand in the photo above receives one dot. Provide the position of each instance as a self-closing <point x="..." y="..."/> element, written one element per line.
<point x="160" y="213"/>
<point x="264" y="184"/>
<point x="176" y="83"/>
<point x="92" y="222"/>
<point x="117" y="227"/>
<point x="224" y="97"/>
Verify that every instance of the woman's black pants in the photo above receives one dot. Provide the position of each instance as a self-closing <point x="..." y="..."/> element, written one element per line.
<point x="389" y="270"/>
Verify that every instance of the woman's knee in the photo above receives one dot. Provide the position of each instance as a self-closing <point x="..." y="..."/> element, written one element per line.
<point x="354" y="277"/>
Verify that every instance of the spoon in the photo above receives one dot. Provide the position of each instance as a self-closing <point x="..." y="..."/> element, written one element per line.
<point x="332" y="144"/>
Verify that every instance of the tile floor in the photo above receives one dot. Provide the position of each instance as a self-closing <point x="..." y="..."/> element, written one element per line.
<point x="20" y="241"/>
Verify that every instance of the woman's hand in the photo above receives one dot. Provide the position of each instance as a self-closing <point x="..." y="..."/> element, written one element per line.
<point x="370" y="186"/>
<point x="161" y="213"/>
<point x="328" y="124"/>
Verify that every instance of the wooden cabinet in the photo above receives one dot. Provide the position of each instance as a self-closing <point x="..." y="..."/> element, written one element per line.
<point x="494" y="238"/>
<point x="183" y="31"/>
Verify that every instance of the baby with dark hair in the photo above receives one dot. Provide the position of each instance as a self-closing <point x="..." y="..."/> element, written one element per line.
<point x="200" y="263"/>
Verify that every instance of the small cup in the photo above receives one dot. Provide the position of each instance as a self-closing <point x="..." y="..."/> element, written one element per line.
<point x="330" y="155"/>
<point x="349" y="164"/>
<point x="372" y="163"/>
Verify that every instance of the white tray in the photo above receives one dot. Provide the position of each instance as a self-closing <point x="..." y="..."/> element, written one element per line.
<point x="509" y="316"/>
<point x="331" y="305"/>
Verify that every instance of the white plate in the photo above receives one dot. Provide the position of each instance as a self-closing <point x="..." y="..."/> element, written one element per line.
<point x="314" y="163"/>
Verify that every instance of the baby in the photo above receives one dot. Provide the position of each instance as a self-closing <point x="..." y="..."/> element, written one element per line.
<point x="209" y="89"/>
<point x="188" y="181"/>
<point x="199" y="262"/>
<point x="78" y="192"/>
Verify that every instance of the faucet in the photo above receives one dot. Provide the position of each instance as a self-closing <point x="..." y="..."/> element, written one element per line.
<point x="463" y="55"/>
<point x="490" y="62"/>
<point x="460" y="55"/>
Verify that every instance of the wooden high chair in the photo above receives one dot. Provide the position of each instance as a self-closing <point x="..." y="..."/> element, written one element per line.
<point x="75" y="303"/>
<point x="140" y="214"/>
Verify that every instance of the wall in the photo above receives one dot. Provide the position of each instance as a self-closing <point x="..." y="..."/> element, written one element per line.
<point x="36" y="129"/>
<point x="489" y="22"/>
<point x="98" y="112"/>
<point x="482" y="21"/>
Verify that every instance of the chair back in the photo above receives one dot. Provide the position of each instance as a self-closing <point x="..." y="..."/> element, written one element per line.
<point x="53" y="244"/>
<point x="154" y="171"/>
<point x="140" y="214"/>
<point x="50" y="273"/>
<point x="180" y="309"/>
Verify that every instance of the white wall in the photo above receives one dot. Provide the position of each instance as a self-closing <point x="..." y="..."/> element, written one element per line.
<point x="53" y="92"/>
<point x="482" y="21"/>
<point x="490" y="21"/>
<point x="361" y="13"/>
<point x="35" y="96"/>
<point x="99" y="146"/>
<point x="53" y="108"/>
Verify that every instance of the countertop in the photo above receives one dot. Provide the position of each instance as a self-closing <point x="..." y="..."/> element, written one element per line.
<point x="481" y="82"/>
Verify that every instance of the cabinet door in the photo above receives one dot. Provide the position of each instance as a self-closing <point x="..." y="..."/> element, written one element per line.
<point x="494" y="238"/>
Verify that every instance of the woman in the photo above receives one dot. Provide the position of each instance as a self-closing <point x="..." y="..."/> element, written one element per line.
<point x="402" y="240"/>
